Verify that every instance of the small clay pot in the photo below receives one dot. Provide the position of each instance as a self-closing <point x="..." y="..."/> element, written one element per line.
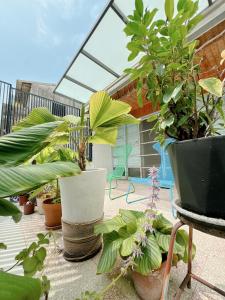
<point x="53" y="214"/>
<point x="23" y="199"/>
<point x="149" y="287"/>
<point x="28" y="208"/>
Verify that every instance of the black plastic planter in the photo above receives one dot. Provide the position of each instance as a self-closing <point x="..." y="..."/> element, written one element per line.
<point x="199" y="171"/>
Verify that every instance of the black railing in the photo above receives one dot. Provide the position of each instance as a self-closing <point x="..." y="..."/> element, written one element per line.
<point x="16" y="104"/>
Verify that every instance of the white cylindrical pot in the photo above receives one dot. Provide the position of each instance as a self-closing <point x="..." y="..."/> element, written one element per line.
<point x="82" y="196"/>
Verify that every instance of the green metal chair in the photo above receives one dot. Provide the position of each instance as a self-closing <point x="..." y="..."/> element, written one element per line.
<point x="121" y="154"/>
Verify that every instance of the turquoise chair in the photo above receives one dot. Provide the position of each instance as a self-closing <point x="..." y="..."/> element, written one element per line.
<point x="121" y="154"/>
<point x="165" y="178"/>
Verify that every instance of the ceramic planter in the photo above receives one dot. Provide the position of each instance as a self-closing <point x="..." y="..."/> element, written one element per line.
<point x="52" y="213"/>
<point x="199" y="170"/>
<point x="82" y="199"/>
<point x="28" y="208"/>
<point x="23" y="199"/>
<point x="149" y="287"/>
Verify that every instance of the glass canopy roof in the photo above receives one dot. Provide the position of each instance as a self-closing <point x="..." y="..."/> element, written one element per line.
<point x="103" y="56"/>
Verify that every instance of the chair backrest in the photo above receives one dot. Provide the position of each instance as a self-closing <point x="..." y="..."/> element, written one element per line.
<point x="165" y="170"/>
<point x="119" y="171"/>
<point x="121" y="154"/>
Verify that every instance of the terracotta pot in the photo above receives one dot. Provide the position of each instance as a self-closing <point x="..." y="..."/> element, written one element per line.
<point x="149" y="287"/>
<point x="23" y="199"/>
<point x="40" y="201"/>
<point x="28" y="208"/>
<point x="53" y="214"/>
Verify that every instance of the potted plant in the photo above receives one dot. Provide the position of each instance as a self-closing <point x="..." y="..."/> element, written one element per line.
<point x="28" y="208"/>
<point x="190" y="109"/>
<point x="52" y="207"/>
<point x="138" y="242"/>
<point x="23" y="199"/>
<point x="88" y="189"/>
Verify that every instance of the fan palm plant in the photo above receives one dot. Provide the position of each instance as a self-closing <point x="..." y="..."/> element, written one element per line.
<point x="105" y="116"/>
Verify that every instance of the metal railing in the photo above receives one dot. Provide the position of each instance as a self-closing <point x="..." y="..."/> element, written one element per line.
<point x="16" y="104"/>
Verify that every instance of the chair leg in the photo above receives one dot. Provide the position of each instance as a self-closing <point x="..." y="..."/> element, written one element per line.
<point x="174" y="212"/>
<point x="164" y="295"/>
<point x="190" y="242"/>
<point x="111" y="188"/>
<point x="136" y="200"/>
<point x="121" y="195"/>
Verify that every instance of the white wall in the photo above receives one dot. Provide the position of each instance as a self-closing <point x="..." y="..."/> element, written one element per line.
<point x="102" y="157"/>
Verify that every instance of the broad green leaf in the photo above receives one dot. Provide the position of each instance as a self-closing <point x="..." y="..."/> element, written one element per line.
<point x="151" y="258"/>
<point x="110" y="252"/>
<point x="72" y="119"/>
<point x="163" y="241"/>
<point x="19" y="146"/>
<point x="212" y="85"/>
<point x="167" y="122"/>
<point x="14" y="287"/>
<point x="133" y="55"/>
<point x="162" y="224"/>
<point x="7" y="208"/>
<point x="110" y="225"/>
<point x="127" y="246"/>
<point x="194" y="21"/>
<point x="139" y="7"/>
<point x="37" y="116"/>
<point x="149" y="16"/>
<point x="103" y="109"/>
<point x="21" y="179"/>
<point x="41" y="254"/>
<point x="172" y="93"/>
<point x="181" y="4"/>
<point x="30" y="266"/>
<point x="182" y="239"/>
<point x="125" y="119"/>
<point x="153" y="118"/>
<point x="134" y="28"/>
<point x="104" y="135"/>
<point x="3" y="246"/>
<point x="182" y="120"/>
<point x="169" y="9"/>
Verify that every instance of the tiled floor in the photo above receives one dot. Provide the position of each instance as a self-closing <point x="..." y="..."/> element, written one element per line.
<point x="69" y="279"/>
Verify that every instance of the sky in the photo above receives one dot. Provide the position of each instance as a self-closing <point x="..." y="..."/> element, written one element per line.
<point x="39" y="38"/>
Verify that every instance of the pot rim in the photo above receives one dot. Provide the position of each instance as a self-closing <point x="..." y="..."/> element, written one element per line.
<point x="50" y="199"/>
<point x="202" y="139"/>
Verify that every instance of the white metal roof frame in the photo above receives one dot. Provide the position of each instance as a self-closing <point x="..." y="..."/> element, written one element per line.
<point x="101" y="59"/>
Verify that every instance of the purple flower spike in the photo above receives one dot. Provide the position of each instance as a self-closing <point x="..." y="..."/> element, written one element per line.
<point x="137" y="253"/>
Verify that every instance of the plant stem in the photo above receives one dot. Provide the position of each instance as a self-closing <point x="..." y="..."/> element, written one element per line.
<point x="108" y="287"/>
<point x="12" y="266"/>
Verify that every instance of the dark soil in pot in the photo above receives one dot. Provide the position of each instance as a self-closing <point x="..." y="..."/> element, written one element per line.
<point x="28" y="208"/>
<point x="199" y="170"/>
<point x="53" y="214"/>
<point x="23" y="199"/>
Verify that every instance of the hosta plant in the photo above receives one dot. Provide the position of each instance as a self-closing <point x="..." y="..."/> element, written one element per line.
<point x="169" y="71"/>
<point x="139" y="240"/>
